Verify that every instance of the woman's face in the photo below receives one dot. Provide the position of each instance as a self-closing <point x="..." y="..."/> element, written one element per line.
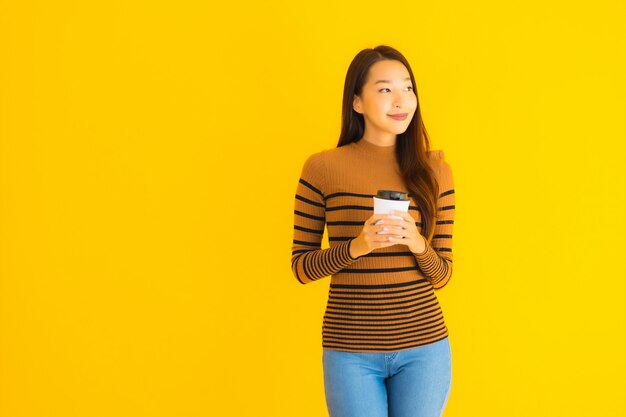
<point x="387" y="91"/>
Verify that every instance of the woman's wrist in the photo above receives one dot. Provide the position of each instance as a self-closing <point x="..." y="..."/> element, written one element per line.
<point x="354" y="248"/>
<point x="421" y="251"/>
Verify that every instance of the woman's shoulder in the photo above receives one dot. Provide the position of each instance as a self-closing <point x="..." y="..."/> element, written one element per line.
<point x="330" y="155"/>
<point x="321" y="160"/>
<point x="436" y="154"/>
<point x="442" y="168"/>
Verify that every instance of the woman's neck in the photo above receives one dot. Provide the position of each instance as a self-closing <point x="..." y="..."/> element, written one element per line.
<point x="383" y="141"/>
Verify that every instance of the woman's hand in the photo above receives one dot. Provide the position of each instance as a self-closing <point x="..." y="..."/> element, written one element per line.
<point x="405" y="232"/>
<point x="402" y="231"/>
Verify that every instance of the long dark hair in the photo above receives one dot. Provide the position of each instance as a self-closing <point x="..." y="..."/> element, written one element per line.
<point x="411" y="146"/>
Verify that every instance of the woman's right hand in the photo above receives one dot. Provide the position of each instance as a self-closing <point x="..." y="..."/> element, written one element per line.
<point x="369" y="239"/>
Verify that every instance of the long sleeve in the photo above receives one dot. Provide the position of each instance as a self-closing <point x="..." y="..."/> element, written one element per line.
<point x="308" y="261"/>
<point x="436" y="261"/>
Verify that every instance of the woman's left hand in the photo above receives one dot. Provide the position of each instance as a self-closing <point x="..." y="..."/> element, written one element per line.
<point x="404" y="232"/>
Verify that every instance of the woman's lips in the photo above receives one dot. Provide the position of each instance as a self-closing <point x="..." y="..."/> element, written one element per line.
<point x="399" y="116"/>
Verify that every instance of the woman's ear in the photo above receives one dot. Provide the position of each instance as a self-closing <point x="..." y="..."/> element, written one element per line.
<point x="356" y="104"/>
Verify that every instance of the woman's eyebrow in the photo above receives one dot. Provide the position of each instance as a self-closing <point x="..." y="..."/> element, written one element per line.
<point x="389" y="82"/>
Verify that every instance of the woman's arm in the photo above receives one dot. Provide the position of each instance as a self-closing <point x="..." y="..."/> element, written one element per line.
<point x="436" y="261"/>
<point x="308" y="261"/>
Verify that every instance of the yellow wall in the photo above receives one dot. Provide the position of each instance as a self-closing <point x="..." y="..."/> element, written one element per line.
<point x="149" y="155"/>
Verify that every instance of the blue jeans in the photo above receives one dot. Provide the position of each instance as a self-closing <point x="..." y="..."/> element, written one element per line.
<point x="414" y="382"/>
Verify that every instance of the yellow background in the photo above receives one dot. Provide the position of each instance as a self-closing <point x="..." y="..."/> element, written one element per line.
<point x="149" y="155"/>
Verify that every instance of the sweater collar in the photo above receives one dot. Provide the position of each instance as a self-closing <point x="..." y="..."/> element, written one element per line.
<point x="373" y="149"/>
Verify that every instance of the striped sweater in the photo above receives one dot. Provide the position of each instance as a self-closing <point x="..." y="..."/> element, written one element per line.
<point x="384" y="300"/>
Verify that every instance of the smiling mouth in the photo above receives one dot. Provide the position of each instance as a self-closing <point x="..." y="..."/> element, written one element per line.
<point x="399" y="116"/>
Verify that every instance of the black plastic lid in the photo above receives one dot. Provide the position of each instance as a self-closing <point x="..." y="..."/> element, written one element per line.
<point x="392" y="195"/>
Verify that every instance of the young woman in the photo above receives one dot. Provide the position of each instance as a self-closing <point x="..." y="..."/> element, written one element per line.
<point x="386" y="351"/>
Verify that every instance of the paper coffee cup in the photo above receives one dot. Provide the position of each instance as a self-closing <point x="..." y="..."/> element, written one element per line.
<point x="387" y="201"/>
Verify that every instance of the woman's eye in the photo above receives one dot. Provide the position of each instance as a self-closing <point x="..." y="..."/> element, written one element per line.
<point x="382" y="89"/>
